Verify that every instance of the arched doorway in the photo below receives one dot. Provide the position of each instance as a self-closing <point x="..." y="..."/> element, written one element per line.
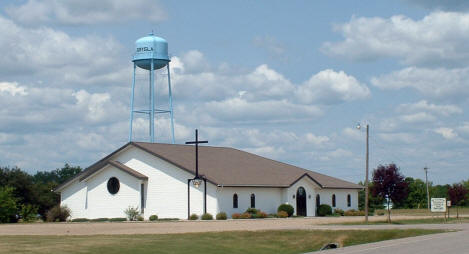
<point x="301" y="202"/>
<point x="318" y="203"/>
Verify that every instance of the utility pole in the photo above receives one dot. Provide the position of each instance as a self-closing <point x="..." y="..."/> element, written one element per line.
<point x="426" y="182"/>
<point x="366" y="168"/>
<point x="366" y="174"/>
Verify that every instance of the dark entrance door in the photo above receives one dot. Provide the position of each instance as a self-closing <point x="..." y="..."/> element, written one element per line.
<point x="318" y="203"/>
<point x="301" y="202"/>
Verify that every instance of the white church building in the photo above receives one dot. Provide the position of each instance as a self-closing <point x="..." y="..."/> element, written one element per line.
<point x="155" y="178"/>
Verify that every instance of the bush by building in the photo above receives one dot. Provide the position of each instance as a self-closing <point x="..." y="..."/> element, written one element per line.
<point x="324" y="210"/>
<point x="287" y="208"/>
<point x="194" y="217"/>
<point x="153" y="217"/>
<point x="58" y="213"/>
<point x="207" y="216"/>
<point x="221" y="216"/>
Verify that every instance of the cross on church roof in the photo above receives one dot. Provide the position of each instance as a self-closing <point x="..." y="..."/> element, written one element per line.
<point x="196" y="142"/>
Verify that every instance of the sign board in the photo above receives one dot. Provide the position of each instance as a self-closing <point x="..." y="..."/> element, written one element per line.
<point x="438" y="205"/>
<point x="448" y="203"/>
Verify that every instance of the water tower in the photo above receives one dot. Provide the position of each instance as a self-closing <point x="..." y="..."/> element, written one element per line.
<point x="151" y="53"/>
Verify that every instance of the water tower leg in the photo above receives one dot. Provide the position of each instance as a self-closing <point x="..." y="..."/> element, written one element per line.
<point x="132" y="105"/>
<point x="152" y="102"/>
<point x="171" y="105"/>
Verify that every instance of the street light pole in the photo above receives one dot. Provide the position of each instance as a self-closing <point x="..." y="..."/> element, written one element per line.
<point x="366" y="168"/>
<point x="366" y="174"/>
<point x="426" y="182"/>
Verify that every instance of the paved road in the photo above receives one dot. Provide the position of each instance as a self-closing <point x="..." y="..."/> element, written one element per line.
<point x="453" y="242"/>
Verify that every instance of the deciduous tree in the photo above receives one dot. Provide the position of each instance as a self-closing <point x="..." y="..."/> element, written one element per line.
<point x="389" y="184"/>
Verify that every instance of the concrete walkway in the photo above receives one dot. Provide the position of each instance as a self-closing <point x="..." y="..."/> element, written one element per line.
<point x="105" y="228"/>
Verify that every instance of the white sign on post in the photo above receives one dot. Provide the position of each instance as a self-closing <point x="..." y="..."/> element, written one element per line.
<point x="438" y="205"/>
<point x="448" y="203"/>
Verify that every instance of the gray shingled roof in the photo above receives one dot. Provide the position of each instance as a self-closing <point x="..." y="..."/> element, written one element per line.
<point x="228" y="166"/>
<point x="231" y="167"/>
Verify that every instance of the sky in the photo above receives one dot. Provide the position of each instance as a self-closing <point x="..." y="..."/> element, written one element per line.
<point x="288" y="80"/>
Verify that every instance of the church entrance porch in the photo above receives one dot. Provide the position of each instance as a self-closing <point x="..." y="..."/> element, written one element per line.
<point x="301" y="202"/>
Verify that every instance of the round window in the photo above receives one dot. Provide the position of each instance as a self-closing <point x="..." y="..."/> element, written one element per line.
<point x="113" y="185"/>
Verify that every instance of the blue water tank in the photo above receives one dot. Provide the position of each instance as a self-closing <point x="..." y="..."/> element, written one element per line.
<point x="151" y="47"/>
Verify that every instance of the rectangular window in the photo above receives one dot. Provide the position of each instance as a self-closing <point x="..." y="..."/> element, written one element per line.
<point x="142" y="197"/>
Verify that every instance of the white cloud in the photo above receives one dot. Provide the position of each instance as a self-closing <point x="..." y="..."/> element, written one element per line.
<point x="438" y="83"/>
<point x="417" y="118"/>
<point x="447" y="133"/>
<point x="331" y="87"/>
<point x="12" y="88"/>
<point x="423" y="105"/>
<point x="75" y="12"/>
<point x="48" y="53"/>
<point x="316" y="140"/>
<point x="436" y="39"/>
<point x="398" y="137"/>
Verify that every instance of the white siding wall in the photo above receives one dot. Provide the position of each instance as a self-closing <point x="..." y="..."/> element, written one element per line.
<point x="310" y="188"/>
<point x="74" y="197"/>
<point x="102" y="204"/>
<point x="167" y="186"/>
<point x="267" y="199"/>
<point x="340" y="198"/>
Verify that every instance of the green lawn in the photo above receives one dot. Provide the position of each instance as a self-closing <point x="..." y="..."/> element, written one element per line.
<point x="287" y="241"/>
<point x="423" y="212"/>
<point x="411" y="221"/>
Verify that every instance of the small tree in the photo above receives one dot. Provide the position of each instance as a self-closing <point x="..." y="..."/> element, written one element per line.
<point x="457" y="195"/>
<point x="8" y="209"/>
<point x="389" y="184"/>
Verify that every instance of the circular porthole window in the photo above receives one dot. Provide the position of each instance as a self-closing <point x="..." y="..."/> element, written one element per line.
<point x="113" y="185"/>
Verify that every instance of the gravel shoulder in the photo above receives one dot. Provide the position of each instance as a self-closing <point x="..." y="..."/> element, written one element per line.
<point x="113" y="228"/>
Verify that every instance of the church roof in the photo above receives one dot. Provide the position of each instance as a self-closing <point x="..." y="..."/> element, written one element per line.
<point x="227" y="167"/>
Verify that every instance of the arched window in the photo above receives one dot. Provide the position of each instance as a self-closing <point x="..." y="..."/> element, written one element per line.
<point x="349" y="200"/>
<point x="235" y="200"/>
<point x="333" y="200"/>
<point x="253" y="200"/>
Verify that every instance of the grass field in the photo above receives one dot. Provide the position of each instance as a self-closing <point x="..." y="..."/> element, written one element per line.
<point x="423" y="212"/>
<point x="286" y="241"/>
<point x="411" y="221"/>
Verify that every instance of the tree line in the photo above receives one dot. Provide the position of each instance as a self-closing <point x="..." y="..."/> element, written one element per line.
<point x="389" y="185"/>
<point x="26" y="197"/>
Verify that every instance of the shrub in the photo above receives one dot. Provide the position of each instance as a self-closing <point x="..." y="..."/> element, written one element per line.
<point x="8" y="208"/>
<point x="282" y="214"/>
<point x="286" y="208"/>
<point x="80" y="220"/>
<point x="272" y="215"/>
<point x="194" y="217"/>
<point x="353" y="212"/>
<point x="339" y="211"/>
<point x="380" y="213"/>
<point x="324" y="210"/>
<point x="99" y="219"/>
<point x="58" y="213"/>
<point x="207" y="216"/>
<point x="221" y="216"/>
<point x="236" y="216"/>
<point x="252" y="211"/>
<point x="245" y="216"/>
<point x="261" y="215"/>
<point x="28" y="212"/>
<point x="132" y="213"/>
<point x="117" y="219"/>
<point x="140" y="218"/>
<point x="153" y="217"/>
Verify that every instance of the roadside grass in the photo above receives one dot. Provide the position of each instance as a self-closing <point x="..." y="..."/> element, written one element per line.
<point x="438" y="220"/>
<point x="276" y="241"/>
<point x="422" y="212"/>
